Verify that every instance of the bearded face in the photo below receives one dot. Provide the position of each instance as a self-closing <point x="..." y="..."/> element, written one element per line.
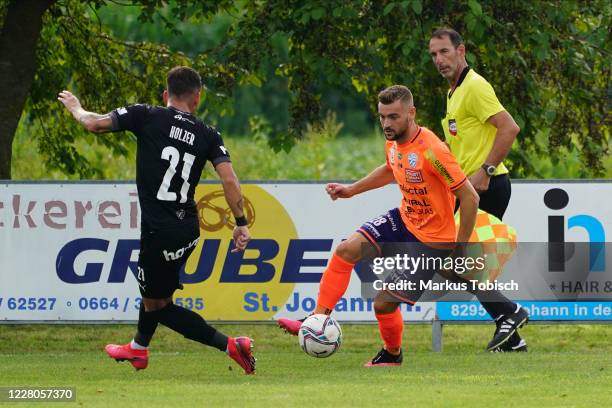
<point x="395" y="119"/>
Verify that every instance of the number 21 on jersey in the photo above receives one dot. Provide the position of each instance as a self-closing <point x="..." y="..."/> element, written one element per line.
<point x="173" y="156"/>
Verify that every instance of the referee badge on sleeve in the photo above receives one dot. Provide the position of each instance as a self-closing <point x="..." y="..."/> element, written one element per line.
<point x="452" y="127"/>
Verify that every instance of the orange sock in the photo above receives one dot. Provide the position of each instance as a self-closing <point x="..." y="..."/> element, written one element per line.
<point x="391" y="327"/>
<point x="334" y="282"/>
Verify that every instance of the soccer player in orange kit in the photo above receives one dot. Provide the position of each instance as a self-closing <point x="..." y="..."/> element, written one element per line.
<point x="430" y="179"/>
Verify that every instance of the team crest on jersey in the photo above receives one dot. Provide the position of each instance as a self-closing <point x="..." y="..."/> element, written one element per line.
<point x="452" y="127"/>
<point x="180" y="214"/>
<point x="413" y="158"/>
<point x="414" y="176"/>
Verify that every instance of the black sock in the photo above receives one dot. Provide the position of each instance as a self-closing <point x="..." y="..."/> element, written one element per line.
<point x="191" y="325"/>
<point x="146" y="327"/>
<point x="495" y="303"/>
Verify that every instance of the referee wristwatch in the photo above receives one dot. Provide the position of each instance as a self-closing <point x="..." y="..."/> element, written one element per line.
<point x="489" y="169"/>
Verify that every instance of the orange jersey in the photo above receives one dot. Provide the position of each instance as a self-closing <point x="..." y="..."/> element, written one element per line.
<point x="427" y="174"/>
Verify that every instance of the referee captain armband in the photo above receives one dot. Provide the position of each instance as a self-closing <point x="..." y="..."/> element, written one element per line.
<point x="241" y="221"/>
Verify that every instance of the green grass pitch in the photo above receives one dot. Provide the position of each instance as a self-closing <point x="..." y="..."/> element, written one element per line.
<point x="567" y="365"/>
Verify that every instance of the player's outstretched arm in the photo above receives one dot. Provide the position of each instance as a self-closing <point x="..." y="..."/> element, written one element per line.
<point x="379" y="177"/>
<point x="469" y="206"/>
<point x="94" y="122"/>
<point x="233" y="196"/>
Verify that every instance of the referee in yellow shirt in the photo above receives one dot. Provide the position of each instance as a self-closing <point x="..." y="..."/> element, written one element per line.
<point x="480" y="132"/>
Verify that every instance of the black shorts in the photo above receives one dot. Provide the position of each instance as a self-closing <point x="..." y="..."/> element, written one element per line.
<point x="495" y="200"/>
<point x="162" y="254"/>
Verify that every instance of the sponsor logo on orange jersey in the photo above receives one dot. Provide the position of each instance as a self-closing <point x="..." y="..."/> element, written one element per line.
<point x="392" y="155"/>
<point x="437" y="164"/>
<point x="414" y="176"/>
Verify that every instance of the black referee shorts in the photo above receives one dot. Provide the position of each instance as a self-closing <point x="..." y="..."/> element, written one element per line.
<point x="162" y="254"/>
<point x="495" y="200"/>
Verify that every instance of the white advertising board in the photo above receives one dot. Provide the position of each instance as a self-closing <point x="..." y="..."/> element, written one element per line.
<point x="68" y="251"/>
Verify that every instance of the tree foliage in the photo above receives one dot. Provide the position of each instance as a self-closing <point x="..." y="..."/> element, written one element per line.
<point x="547" y="60"/>
<point x="75" y="52"/>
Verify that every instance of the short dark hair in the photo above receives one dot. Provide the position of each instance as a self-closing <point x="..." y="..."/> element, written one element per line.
<point x="454" y="36"/>
<point x="183" y="81"/>
<point x="394" y="93"/>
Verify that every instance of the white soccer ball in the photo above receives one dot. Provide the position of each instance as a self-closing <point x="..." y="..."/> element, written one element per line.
<point x="320" y="335"/>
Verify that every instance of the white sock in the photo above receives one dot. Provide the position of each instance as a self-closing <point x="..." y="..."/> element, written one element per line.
<point x="136" y="346"/>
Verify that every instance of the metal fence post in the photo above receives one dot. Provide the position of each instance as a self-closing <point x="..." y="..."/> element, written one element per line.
<point x="436" y="335"/>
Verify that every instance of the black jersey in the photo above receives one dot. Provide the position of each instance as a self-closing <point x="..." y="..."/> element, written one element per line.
<point x="172" y="149"/>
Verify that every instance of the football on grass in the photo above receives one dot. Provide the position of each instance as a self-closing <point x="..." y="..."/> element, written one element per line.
<point x="320" y="336"/>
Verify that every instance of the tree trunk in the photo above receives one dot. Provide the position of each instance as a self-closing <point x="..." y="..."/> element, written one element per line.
<point x="22" y="26"/>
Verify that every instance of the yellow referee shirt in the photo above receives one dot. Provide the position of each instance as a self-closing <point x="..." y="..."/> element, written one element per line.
<point x="465" y="125"/>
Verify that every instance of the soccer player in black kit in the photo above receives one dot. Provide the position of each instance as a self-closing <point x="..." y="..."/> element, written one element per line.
<point x="172" y="149"/>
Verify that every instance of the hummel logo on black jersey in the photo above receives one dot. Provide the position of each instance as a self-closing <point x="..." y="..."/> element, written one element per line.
<point x="173" y="256"/>
<point x="181" y="117"/>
